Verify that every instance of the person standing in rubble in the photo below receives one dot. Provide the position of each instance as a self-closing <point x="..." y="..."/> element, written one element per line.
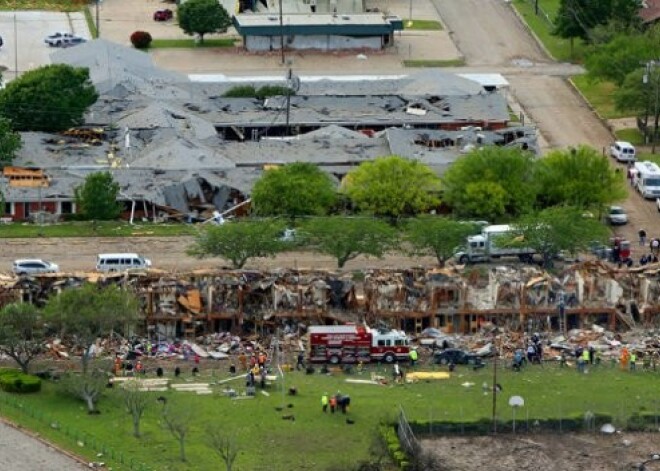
<point x="531" y="353"/>
<point x="642" y="237"/>
<point x="633" y="361"/>
<point x="396" y="373"/>
<point x="262" y="359"/>
<point x="242" y="360"/>
<point x="585" y="359"/>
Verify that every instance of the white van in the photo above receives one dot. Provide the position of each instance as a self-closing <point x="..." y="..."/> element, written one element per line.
<point x="623" y="151"/>
<point x="113" y="262"/>
<point x="647" y="179"/>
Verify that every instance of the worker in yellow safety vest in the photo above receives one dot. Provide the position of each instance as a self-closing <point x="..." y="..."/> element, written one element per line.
<point x="324" y="402"/>
<point x="413" y="357"/>
<point x="633" y="359"/>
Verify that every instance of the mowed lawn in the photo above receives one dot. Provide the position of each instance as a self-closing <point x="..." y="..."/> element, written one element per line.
<point x="95" y="229"/>
<point x="316" y="440"/>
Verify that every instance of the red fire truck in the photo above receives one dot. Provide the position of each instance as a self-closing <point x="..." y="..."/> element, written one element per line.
<point x="356" y="343"/>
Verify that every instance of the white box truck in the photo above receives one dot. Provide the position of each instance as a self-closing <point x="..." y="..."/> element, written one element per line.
<point x="647" y="179"/>
<point x="493" y="242"/>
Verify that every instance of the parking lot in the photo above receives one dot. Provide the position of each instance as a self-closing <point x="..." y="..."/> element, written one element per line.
<point x="23" y="34"/>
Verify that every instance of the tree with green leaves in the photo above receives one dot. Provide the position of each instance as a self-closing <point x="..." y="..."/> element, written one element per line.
<point x="10" y="142"/>
<point x="48" y="99"/>
<point x="21" y="333"/>
<point x="224" y="443"/>
<point x="437" y="236"/>
<point x="577" y="18"/>
<point x="491" y="182"/>
<point x="392" y="187"/>
<point x="624" y="54"/>
<point x="239" y="241"/>
<point x="581" y="177"/>
<point x="347" y="238"/>
<point x="97" y="197"/>
<point x="82" y="315"/>
<point x="203" y="17"/>
<point x="637" y="95"/>
<point x="558" y="229"/>
<point x="294" y="190"/>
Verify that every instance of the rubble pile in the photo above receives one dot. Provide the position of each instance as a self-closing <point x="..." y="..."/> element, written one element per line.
<point x="452" y="299"/>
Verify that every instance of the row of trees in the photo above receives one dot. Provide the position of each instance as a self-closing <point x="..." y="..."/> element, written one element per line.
<point x="79" y="316"/>
<point x="548" y="232"/>
<point x="494" y="183"/>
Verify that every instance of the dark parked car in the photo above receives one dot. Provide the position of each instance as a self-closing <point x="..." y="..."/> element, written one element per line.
<point x="163" y="15"/>
<point x="457" y="357"/>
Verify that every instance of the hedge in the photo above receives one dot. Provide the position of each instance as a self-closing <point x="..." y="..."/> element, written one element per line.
<point x="14" y="381"/>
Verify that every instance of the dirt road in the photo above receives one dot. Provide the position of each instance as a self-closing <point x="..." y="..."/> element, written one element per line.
<point x="20" y="451"/>
<point x="79" y="254"/>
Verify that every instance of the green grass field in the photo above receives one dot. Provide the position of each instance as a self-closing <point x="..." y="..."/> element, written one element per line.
<point x="632" y="135"/>
<point x="52" y="5"/>
<point x="98" y="229"/>
<point x="600" y="95"/>
<point x="316" y="440"/>
<point x="423" y="25"/>
<point x="558" y="47"/>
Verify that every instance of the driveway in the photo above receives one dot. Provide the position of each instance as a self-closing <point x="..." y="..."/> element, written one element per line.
<point x="23" y="32"/>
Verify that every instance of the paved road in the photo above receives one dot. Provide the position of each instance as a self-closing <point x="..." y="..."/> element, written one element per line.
<point x="19" y="451"/>
<point x="488" y="33"/>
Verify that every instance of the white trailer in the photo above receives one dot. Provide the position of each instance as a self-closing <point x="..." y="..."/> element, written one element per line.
<point x="647" y="179"/>
<point x="493" y="242"/>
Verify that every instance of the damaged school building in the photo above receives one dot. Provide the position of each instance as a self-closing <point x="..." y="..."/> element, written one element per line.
<point x="453" y="299"/>
<point x="180" y="150"/>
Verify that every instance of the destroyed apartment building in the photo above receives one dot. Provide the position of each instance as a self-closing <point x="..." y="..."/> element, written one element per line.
<point x="458" y="300"/>
<point x="181" y="150"/>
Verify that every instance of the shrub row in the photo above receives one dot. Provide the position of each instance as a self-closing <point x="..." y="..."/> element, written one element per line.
<point x="394" y="446"/>
<point x="14" y="381"/>
<point x="571" y="423"/>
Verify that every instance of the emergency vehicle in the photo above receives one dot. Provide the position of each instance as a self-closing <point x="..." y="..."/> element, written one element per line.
<point x="356" y="343"/>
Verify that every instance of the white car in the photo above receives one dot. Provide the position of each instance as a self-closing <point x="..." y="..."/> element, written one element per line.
<point x="63" y="39"/>
<point x="33" y="266"/>
<point x="617" y="216"/>
<point x="623" y="151"/>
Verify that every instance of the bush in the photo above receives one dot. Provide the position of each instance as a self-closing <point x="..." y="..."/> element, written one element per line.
<point x="141" y="39"/>
<point x="17" y="382"/>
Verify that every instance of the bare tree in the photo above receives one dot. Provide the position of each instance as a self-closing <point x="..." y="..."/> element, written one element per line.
<point x="224" y="444"/>
<point x="86" y="387"/>
<point x="136" y="402"/>
<point x="178" y="422"/>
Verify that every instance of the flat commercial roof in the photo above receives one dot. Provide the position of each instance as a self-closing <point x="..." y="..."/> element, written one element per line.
<point x="362" y="24"/>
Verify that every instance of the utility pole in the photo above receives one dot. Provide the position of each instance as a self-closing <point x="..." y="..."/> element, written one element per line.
<point x="495" y="358"/>
<point x="281" y="32"/>
<point x="646" y="79"/>
<point x="15" y="48"/>
<point x="98" y="23"/>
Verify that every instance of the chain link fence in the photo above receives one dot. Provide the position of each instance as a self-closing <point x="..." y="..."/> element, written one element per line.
<point x="119" y="458"/>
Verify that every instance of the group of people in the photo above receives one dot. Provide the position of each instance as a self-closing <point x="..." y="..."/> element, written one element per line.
<point x="256" y="367"/>
<point x="335" y="402"/>
<point x="654" y="248"/>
